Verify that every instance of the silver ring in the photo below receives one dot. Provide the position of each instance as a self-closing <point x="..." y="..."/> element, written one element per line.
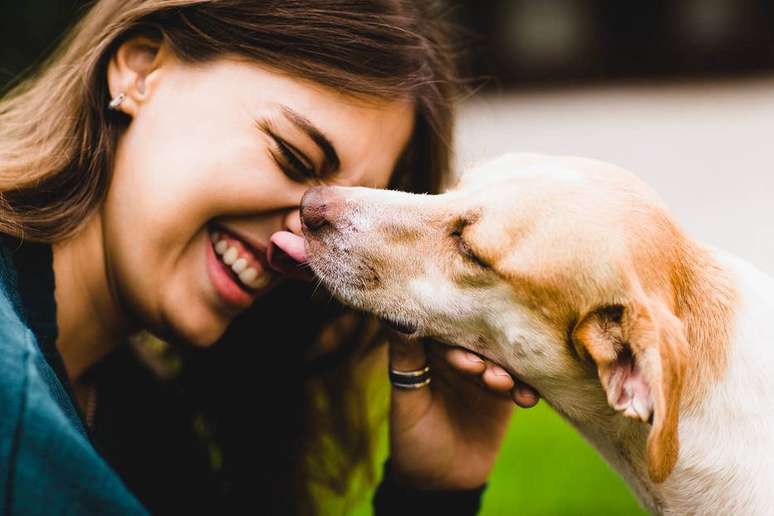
<point x="410" y="379"/>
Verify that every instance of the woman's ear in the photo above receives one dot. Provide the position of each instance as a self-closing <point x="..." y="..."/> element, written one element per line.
<point x="132" y="69"/>
<point x="638" y="350"/>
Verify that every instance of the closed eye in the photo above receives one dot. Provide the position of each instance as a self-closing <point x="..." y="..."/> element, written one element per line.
<point x="457" y="235"/>
<point x="294" y="163"/>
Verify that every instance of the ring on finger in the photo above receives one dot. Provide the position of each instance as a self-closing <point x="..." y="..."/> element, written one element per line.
<point x="410" y="379"/>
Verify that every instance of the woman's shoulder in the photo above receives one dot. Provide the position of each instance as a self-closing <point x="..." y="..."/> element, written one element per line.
<point x="19" y="353"/>
<point x="27" y="381"/>
<point x="44" y="448"/>
<point x="17" y="348"/>
<point x="29" y="391"/>
<point x="27" y="305"/>
<point x="11" y="318"/>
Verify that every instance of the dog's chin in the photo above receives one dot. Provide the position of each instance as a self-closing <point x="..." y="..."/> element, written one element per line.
<point x="340" y="275"/>
<point x="338" y="282"/>
<point x="344" y="276"/>
<point x="402" y="326"/>
<point x="349" y="294"/>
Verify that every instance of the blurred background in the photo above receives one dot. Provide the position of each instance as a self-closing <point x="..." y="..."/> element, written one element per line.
<point x="681" y="92"/>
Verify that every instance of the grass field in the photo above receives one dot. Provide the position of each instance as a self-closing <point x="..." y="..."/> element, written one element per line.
<point x="545" y="469"/>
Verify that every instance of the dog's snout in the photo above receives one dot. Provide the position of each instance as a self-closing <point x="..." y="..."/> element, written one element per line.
<point x="319" y="207"/>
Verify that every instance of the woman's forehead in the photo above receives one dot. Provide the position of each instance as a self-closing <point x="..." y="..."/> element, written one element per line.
<point x="368" y="133"/>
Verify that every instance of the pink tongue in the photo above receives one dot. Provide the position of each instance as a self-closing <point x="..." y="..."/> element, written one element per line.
<point x="287" y="255"/>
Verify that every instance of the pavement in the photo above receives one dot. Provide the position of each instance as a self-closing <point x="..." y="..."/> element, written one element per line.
<point x="707" y="148"/>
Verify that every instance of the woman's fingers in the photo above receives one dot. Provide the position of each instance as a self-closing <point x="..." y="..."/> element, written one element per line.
<point x="524" y="395"/>
<point x="494" y="377"/>
<point x="408" y="355"/>
<point x="497" y="379"/>
<point x="465" y="361"/>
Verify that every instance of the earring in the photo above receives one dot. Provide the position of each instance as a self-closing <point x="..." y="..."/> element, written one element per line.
<point x="115" y="102"/>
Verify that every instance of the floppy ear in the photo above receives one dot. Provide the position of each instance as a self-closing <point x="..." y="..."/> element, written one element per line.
<point x="638" y="350"/>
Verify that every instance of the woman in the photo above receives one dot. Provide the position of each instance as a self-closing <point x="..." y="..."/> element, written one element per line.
<point x="151" y="171"/>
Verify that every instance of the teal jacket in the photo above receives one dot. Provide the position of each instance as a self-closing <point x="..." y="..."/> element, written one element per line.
<point x="48" y="464"/>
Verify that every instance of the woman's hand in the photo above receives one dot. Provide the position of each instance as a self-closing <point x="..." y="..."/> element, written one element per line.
<point x="446" y="435"/>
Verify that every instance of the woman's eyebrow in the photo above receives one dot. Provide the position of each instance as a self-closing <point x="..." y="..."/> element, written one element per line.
<point x="331" y="162"/>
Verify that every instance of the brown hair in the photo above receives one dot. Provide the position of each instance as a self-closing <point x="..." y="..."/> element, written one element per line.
<point x="57" y="139"/>
<point x="57" y="142"/>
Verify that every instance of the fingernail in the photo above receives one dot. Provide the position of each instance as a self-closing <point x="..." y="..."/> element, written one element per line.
<point x="498" y="371"/>
<point x="474" y="358"/>
<point x="528" y="391"/>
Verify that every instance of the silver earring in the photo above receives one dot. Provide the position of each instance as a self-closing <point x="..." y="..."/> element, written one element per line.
<point x="115" y="102"/>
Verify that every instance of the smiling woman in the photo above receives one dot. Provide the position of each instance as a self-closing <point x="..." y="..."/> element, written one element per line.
<point x="264" y="155"/>
<point x="152" y="170"/>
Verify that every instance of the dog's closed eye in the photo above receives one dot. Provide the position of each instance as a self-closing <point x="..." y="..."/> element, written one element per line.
<point x="457" y="235"/>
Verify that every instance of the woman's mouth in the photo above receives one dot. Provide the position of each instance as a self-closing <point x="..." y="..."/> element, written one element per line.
<point x="241" y="262"/>
<point x="236" y="269"/>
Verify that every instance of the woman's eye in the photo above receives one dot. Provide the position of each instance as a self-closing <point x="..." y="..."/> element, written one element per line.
<point x="293" y="162"/>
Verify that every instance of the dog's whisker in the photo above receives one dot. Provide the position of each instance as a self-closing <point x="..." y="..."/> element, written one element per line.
<point x="317" y="286"/>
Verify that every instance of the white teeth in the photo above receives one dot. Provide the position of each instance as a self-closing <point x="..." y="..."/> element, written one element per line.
<point x="248" y="276"/>
<point x="239" y="265"/>
<point x="221" y="247"/>
<point x="230" y="256"/>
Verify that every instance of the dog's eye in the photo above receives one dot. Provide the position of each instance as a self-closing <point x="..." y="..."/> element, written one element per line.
<point x="463" y="247"/>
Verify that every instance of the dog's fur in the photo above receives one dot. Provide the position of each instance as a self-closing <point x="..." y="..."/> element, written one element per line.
<point x="572" y="275"/>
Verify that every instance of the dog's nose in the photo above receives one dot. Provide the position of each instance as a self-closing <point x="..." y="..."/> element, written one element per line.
<point x="317" y="207"/>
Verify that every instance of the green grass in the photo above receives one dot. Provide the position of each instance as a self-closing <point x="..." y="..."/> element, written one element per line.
<point x="545" y="469"/>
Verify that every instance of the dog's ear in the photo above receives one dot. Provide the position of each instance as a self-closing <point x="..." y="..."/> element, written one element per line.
<point x="638" y="349"/>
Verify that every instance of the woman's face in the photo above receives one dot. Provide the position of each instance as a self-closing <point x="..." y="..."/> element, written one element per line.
<point x="212" y="166"/>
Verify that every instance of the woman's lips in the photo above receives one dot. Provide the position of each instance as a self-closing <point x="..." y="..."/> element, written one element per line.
<point x="238" y="268"/>
<point x="287" y="255"/>
<point x="225" y="285"/>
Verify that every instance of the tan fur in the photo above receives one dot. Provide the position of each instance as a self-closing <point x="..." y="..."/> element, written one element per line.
<point x="647" y="251"/>
<point x="646" y="326"/>
<point x="547" y="248"/>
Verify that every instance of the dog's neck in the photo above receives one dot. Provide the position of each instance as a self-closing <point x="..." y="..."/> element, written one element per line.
<point x="721" y="411"/>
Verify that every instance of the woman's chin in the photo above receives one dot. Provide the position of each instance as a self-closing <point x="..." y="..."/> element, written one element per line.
<point x="200" y="331"/>
<point x="203" y="342"/>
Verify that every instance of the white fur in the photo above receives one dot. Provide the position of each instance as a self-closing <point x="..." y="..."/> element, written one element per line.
<point x="726" y="460"/>
<point x="726" y="463"/>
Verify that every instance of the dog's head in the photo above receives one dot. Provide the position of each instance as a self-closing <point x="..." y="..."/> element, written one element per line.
<point x="563" y="270"/>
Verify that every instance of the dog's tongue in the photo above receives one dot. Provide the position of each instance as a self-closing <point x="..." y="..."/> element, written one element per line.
<point x="287" y="255"/>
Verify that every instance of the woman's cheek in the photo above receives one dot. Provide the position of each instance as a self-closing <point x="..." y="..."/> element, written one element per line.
<point x="167" y="291"/>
